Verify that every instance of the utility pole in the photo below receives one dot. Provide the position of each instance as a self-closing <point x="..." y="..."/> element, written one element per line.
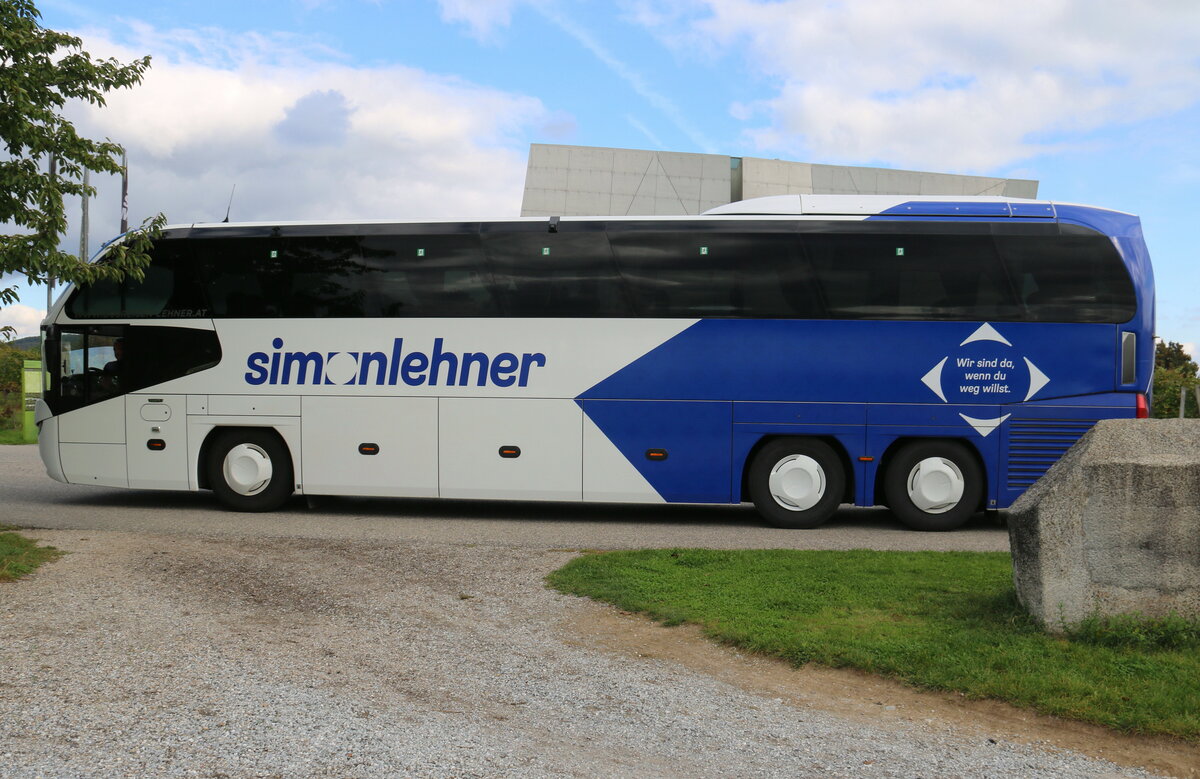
<point x="49" y="278"/>
<point x="83" y="221"/>
<point x="124" y="193"/>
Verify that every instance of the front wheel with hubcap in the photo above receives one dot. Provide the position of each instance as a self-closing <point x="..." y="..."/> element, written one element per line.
<point x="250" y="470"/>
<point x="796" y="482"/>
<point x="934" y="485"/>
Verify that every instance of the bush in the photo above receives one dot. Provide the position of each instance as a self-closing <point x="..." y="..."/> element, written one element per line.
<point x="12" y="365"/>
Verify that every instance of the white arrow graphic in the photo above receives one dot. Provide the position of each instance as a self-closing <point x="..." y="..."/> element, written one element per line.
<point x="933" y="379"/>
<point x="1037" y="379"/>
<point x="986" y="333"/>
<point x="984" y="426"/>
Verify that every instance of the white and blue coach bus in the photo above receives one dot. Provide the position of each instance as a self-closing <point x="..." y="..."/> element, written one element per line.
<point x="935" y="355"/>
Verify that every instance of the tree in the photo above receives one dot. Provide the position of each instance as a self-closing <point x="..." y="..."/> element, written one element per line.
<point x="1173" y="370"/>
<point x="40" y="70"/>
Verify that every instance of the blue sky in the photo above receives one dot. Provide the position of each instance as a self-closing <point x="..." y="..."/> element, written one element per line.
<point x="425" y="108"/>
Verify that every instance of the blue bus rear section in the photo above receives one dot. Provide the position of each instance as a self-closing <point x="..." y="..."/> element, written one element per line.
<point x="1018" y="393"/>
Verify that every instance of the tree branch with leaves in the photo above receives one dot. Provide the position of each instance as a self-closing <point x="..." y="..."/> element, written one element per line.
<point x="40" y="71"/>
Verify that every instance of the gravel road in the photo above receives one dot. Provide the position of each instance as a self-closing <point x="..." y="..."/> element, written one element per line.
<point x="405" y="638"/>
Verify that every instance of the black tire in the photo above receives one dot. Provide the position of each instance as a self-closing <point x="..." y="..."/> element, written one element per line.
<point x="814" y="500"/>
<point x="244" y="451"/>
<point x="937" y="507"/>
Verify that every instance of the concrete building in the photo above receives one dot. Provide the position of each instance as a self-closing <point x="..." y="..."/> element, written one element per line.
<point x="591" y="181"/>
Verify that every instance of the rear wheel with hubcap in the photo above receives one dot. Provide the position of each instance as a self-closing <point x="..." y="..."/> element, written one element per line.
<point x="934" y="485"/>
<point x="250" y="470"/>
<point x="796" y="482"/>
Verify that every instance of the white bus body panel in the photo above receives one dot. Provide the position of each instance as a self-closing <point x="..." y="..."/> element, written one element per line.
<point x="576" y="354"/>
<point x="608" y="476"/>
<point x="404" y="429"/>
<point x="157" y="417"/>
<point x="48" y="447"/>
<point x="200" y="426"/>
<point x="100" y="423"/>
<point x="548" y="432"/>
<point x="102" y="464"/>
<point x="254" y="405"/>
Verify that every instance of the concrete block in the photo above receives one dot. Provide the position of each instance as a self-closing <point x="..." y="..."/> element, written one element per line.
<point x="762" y="189"/>
<point x="716" y="167"/>
<point x="642" y="205"/>
<point x="764" y="171"/>
<point x="670" y="206"/>
<point x="544" y="155"/>
<point x="683" y="188"/>
<point x="589" y="180"/>
<point x="632" y="161"/>
<point x="546" y="178"/>
<point x="586" y="204"/>
<point x="588" y="158"/>
<point x="627" y="183"/>
<point x="938" y="184"/>
<point x="620" y="205"/>
<point x="544" y="202"/>
<point x="680" y="165"/>
<point x="1020" y="188"/>
<point x="714" y="191"/>
<point x="800" y="179"/>
<point x="1113" y="527"/>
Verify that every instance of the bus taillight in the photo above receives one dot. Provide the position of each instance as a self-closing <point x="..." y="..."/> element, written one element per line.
<point x="1143" y="408"/>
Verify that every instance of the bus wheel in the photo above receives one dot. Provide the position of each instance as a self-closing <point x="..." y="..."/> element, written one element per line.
<point x="250" y="470"/>
<point x="796" y="482"/>
<point x="933" y="485"/>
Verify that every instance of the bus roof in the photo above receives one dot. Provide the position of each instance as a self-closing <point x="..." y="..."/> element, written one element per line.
<point x="777" y="206"/>
<point x="890" y="205"/>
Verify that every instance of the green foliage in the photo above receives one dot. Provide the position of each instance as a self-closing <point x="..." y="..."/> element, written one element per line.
<point x="40" y="70"/>
<point x="19" y="556"/>
<point x="12" y="366"/>
<point x="1169" y="355"/>
<point x="11" y="436"/>
<point x="1173" y="371"/>
<point x="936" y="620"/>
<point x="1173" y="632"/>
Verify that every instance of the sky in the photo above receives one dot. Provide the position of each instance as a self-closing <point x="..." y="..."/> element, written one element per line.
<point x="408" y="109"/>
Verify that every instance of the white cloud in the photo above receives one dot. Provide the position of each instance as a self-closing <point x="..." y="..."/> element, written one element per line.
<point x="302" y="135"/>
<point x="483" y="17"/>
<point x="634" y="79"/>
<point x="942" y="84"/>
<point x="22" y="318"/>
<point x="1190" y="348"/>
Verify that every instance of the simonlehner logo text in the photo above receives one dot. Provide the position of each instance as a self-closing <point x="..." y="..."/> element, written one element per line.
<point x="436" y="367"/>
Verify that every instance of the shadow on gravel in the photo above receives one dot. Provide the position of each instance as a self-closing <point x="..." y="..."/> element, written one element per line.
<point x="334" y="507"/>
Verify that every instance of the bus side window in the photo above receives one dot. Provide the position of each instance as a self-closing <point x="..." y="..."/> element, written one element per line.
<point x="423" y="274"/>
<point x="1069" y="278"/>
<point x="170" y="288"/>
<point x="910" y="275"/>
<point x="565" y="274"/>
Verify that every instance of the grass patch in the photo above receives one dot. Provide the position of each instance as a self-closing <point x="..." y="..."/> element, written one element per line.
<point x="12" y="418"/>
<point x="20" y="556"/>
<point x="12" y="436"/>
<point x="935" y="620"/>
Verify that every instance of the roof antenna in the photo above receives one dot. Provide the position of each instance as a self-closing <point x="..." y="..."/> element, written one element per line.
<point x="230" y="206"/>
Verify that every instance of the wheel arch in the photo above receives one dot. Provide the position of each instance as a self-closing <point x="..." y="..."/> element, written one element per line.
<point x="889" y="454"/>
<point x="834" y="443"/>
<point x="215" y="432"/>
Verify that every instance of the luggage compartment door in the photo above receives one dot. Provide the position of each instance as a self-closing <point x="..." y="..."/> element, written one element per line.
<point x="385" y="447"/>
<point x="515" y="448"/>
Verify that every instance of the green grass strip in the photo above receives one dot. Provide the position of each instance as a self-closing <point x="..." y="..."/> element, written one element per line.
<point x="934" y="620"/>
<point x="8" y="436"/>
<point x="20" y="556"/>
